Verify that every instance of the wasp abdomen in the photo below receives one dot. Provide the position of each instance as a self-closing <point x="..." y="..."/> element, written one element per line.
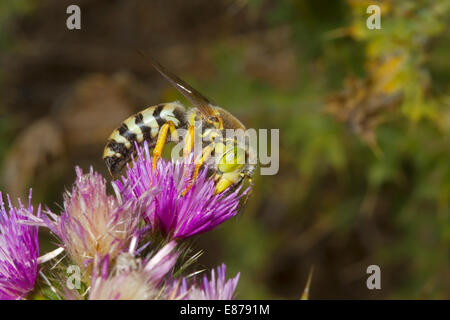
<point x="143" y="126"/>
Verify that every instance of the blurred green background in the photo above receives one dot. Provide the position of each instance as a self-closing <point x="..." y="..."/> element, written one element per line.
<point x="364" y="119"/>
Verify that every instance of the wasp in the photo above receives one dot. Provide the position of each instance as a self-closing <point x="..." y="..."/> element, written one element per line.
<point x="234" y="160"/>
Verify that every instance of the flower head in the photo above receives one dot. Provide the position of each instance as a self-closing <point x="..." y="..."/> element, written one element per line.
<point x="169" y="210"/>
<point x="19" y="251"/>
<point x="132" y="279"/>
<point x="93" y="223"/>
<point x="209" y="289"/>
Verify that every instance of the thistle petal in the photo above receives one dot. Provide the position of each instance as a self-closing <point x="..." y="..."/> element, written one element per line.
<point x="19" y="250"/>
<point x="169" y="211"/>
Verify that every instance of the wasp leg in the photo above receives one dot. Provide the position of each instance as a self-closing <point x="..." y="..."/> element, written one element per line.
<point x="188" y="146"/>
<point x="251" y="183"/>
<point x="206" y="154"/>
<point x="157" y="151"/>
<point x="227" y="180"/>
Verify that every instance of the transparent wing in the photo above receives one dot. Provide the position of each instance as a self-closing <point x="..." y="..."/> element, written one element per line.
<point x="195" y="97"/>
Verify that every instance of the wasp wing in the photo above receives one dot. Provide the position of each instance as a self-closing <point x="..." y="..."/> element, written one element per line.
<point x="195" y="97"/>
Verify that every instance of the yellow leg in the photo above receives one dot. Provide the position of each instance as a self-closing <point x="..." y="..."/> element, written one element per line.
<point x="188" y="146"/>
<point x="188" y="142"/>
<point x="206" y="154"/>
<point x="226" y="180"/>
<point x="157" y="151"/>
<point x="173" y="131"/>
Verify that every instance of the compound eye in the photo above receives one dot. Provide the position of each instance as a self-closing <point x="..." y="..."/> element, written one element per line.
<point x="232" y="160"/>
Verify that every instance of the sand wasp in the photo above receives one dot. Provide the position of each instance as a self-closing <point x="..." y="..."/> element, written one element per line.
<point x="234" y="159"/>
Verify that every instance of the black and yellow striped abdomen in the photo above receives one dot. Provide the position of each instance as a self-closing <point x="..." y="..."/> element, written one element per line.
<point x="140" y="127"/>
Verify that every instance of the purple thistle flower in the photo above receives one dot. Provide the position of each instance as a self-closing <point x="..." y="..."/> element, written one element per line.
<point x="93" y="223"/>
<point x="169" y="211"/>
<point x="131" y="279"/>
<point x="19" y="251"/>
<point x="213" y="289"/>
